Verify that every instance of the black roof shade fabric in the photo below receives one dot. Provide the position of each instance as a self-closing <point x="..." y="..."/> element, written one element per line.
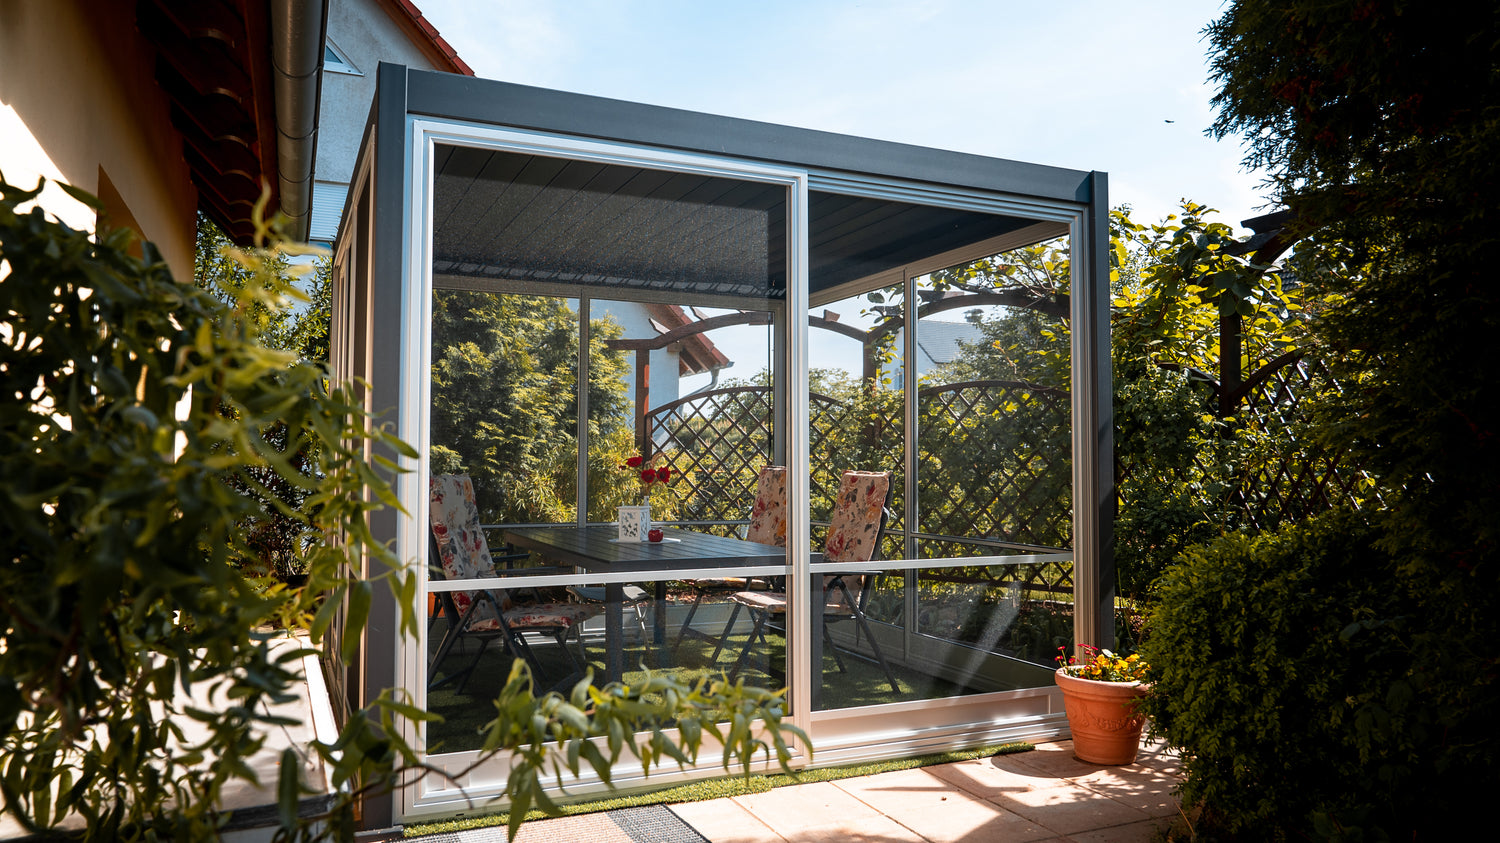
<point x="519" y="217"/>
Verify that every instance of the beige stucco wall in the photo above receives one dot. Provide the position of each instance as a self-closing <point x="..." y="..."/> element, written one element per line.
<point x="78" y="100"/>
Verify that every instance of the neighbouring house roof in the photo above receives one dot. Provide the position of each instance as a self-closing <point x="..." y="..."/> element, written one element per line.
<point x="242" y="77"/>
<point x="940" y="341"/>
<point x="698" y="354"/>
<point x="425" y="36"/>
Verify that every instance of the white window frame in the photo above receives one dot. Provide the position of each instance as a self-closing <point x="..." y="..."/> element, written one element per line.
<point x="433" y="795"/>
<point x="341" y="63"/>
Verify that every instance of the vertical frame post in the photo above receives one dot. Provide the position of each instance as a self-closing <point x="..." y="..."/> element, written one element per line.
<point x="1093" y="423"/>
<point x="799" y="521"/>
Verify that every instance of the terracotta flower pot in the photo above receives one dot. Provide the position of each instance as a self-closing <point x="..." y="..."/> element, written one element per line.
<point x="1102" y="715"/>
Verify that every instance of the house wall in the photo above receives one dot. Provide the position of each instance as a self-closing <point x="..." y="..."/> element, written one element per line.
<point x="665" y="382"/>
<point x="366" y="35"/>
<point x="79" y="101"/>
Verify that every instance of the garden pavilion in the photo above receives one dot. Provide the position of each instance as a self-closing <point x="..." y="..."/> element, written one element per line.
<point x="477" y="199"/>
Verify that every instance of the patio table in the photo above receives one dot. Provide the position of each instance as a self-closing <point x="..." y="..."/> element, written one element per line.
<point x="595" y="550"/>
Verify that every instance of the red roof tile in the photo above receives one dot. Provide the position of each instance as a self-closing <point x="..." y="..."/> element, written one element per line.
<point x="426" y="36"/>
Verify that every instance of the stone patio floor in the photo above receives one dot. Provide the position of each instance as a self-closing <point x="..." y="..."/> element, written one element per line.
<point x="1046" y="794"/>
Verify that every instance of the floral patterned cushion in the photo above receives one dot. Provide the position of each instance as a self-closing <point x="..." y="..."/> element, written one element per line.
<point x="455" y="524"/>
<point x="539" y="616"/>
<point x="551" y="615"/>
<point x="768" y="517"/>
<point x="854" y="532"/>
<point x="462" y="549"/>
<point x="465" y="554"/>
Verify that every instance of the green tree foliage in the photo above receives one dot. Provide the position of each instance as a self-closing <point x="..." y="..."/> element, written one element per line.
<point x="505" y="407"/>
<point x="1379" y="123"/>
<point x="300" y="323"/>
<point x="1181" y="463"/>
<point x="124" y="536"/>
<point x="297" y="325"/>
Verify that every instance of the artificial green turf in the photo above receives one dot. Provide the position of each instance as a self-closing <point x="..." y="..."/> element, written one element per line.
<point x="721" y="787"/>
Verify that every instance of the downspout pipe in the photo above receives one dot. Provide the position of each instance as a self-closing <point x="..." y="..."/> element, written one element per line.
<point x="298" y="32"/>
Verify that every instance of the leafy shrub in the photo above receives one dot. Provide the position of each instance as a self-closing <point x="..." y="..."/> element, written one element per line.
<point x="1282" y="670"/>
<point x="137" y="413"/>
<point x="135" y="408"/>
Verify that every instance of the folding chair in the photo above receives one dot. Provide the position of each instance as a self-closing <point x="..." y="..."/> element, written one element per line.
<point x="767" y="526"/>
<point x="486" y="615"/>
<point x="853" y="536"/>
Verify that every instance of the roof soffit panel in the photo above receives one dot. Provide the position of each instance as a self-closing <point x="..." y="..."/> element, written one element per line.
<point x="543" y="218"/>
<point x="213" y="62"/>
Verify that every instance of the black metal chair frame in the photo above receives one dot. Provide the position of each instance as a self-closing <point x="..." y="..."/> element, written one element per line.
<point x="514" y="640"/>
<point x="831" y="582"/>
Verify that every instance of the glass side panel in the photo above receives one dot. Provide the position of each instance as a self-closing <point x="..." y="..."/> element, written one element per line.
<point x="566" y="343"/>
<point x="681" y="410"/>
<point x="504" y="406"/>
<point x="993" y="479"/>
<point x="993" y="408"/>
<point x="857" y="410"/>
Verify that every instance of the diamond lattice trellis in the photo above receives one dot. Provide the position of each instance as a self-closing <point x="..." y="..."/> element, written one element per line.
<point x="994" y="459"/>
<point x="716" y="442"/>
<point x="1304" y="479"/>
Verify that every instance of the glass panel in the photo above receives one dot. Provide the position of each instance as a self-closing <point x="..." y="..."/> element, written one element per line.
<point x="525" y="248"/>
<point x="504" y="405"/>
<point x="856" y="404"/>
<point x="712" y="433"/>
<point x="993" y="404"/>
<point x="991" y="627"/>
<point x="994" y="479"/>
<point x="858" y="423"/>
<point x="995" y="460"/>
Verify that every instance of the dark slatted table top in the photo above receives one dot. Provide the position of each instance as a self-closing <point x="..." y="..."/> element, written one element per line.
<point x="591" y="548"/>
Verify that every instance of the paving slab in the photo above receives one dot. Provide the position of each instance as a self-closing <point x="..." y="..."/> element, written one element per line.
<point x="931" y="806"/>
<point x="987" y="777"/>
<point x="1070" y="808"/>
<point x="796" y="811"/>
<point x="1152" y="791"/>
<point x="725" y="821"/>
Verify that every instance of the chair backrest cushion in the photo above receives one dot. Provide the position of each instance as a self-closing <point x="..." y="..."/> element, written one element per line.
<point x="854" y="533"/>
<point x="768" y="517"/>
<point x="462" y="549"/>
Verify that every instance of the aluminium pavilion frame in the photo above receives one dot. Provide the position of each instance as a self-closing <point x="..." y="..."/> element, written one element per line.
<point x="953" y="207"/>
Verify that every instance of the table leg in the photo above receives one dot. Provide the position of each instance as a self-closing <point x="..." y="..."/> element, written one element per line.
<point x="614" y="644"/>
<point x="659" y="625"/>
<point x="816" y="634"/>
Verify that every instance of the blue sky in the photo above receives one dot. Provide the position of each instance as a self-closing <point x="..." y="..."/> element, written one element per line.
<point x="1086" y="85"/>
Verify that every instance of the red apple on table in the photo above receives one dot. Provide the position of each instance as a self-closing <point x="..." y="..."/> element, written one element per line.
<point x="653" y="535"/>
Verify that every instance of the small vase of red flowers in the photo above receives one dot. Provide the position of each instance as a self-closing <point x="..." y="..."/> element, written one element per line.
<point x="635" y="521"/>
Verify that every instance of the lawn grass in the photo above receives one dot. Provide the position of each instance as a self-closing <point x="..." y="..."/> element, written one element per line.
<point x="722" y="787"/>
